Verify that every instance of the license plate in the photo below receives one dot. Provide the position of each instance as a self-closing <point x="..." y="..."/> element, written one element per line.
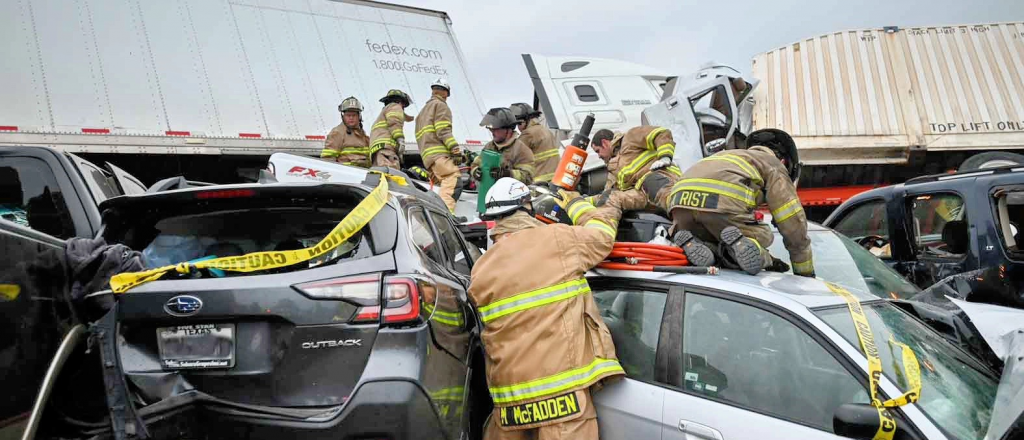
<point x="197" y="346"/>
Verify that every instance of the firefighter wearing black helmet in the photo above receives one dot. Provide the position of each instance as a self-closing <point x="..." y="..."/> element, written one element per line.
<point x="716" y="197"/>
<point x="387" y="136"/>
<point x="539" y="140"/>
<point x="516" y="157"/>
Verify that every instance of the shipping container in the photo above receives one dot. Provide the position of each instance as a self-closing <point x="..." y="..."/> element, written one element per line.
<point x="911" y="100"/>
<point x="208" y="86"/>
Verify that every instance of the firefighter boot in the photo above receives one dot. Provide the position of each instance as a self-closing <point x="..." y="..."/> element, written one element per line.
<point x="743" y="251"/>
<point x="697" y="253"/>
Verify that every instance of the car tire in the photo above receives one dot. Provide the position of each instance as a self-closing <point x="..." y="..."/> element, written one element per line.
<point x="991" y="159"/>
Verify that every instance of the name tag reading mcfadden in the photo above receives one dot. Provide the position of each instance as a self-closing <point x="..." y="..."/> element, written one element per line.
<point x="551" y="408"/>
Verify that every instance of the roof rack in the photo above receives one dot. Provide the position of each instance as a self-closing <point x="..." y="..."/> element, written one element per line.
<point x="965" y="174"/>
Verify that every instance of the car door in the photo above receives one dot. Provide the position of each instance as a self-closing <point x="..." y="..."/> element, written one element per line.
<point x="634" y="313"/>
<point x="940" y="236"/>
<point x="748" y="371"/>
<point x="443" y="302"/>
<point x="867" y="223"/>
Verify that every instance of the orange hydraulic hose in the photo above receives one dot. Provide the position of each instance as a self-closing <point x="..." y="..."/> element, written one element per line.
<point x="651" y="257"/>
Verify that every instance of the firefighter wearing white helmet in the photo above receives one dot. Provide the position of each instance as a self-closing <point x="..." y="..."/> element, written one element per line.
<point x="438" y="148"/>
<point x="534" y="301"/>
<point x="348" y="143"/>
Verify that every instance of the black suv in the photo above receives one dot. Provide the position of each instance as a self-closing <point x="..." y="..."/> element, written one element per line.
<point x="375" y="339"/>
<point x="932" y="227"/>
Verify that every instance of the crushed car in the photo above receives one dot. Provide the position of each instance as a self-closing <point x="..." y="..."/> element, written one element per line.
<point x="367" y="332"/>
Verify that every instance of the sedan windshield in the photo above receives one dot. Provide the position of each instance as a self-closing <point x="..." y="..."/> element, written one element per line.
<point x="834" y="258"/>
<point x="955" y="392"/>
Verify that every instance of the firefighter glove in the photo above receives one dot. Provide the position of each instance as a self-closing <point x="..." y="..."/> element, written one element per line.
<point x="476" y="173"/>
<point x="504" y="171"/>
<point x="456" y="151"/>
<point x="563" y="198"/>
<point x="602" y="198"/>
<point x="662" y="162"/>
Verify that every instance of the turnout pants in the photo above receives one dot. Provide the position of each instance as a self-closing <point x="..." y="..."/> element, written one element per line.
<point x="387" y="157"/>
<point x="708" y="227"/>
<point x="447" y="174"/>
<point x="582" y="426"/>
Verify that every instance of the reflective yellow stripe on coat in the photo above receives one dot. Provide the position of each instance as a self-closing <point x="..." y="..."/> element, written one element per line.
<point x="787" y="211"/>
<point x="555" y="383"/>
<point x="633" y="166"/>
<point x="727" y="189"/>
<point x="426" y="129"/>
<point x="545" y="155"/>
<point x="534" y="298"/>
<point x="755" y="177"/>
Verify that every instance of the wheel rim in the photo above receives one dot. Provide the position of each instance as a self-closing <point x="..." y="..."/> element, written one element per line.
<point x="998" y="163"/>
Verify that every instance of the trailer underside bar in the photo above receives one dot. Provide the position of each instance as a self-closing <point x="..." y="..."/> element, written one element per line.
<point x="832" y="196"/>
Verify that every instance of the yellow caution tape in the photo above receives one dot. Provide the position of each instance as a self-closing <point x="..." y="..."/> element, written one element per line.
<point x="9" y="292"/>
<point x="887" y="423"/>
<point x="256" y="261"/>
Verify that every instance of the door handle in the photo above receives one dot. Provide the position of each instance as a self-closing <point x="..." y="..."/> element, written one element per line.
<point x="702" y="431"/>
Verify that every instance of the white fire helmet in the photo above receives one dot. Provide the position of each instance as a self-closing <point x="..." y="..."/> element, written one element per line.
<point x="507" y="194"/>
<point x="442" y="83"/>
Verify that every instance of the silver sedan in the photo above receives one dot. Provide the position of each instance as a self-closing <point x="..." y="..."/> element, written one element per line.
<point x="774" y="356"/>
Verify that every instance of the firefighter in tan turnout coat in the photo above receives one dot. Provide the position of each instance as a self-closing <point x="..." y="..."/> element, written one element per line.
<point x="543" y="335"/>
<point x="347" y="143"/>
<point x="516" y="157"/>
<point x="387" y="134"/>
<point x="539" y="140"/>
<point x="439" y="150"/>
<point x="714" y="201"/>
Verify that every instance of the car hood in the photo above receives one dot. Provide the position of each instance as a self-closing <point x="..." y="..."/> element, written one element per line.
<point x="1003" y="330"/>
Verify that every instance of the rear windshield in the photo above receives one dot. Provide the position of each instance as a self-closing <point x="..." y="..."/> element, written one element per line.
<point x="173" y="239"/>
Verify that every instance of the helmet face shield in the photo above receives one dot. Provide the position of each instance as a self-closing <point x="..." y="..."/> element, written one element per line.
<point x="350" y="104"/>
<point x="498" y="117"/>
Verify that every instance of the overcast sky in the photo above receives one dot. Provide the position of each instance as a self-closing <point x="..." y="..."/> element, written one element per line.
<point x="674" y="36"/>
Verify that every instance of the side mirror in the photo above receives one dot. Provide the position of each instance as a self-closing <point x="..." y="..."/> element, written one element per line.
<point x="860" y="421"/>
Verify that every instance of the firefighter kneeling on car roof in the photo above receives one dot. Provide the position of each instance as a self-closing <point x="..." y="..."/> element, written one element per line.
<point x="544" y="339"/>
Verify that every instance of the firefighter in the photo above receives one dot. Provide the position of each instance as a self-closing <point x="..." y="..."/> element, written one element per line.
<point x="539" y="140"/>
<point x="516" y="157"/>
<point x="716" y="198"/>
<point x="639" y="162"/>
<point x="386" y="136"/>
<point x="543" y="336"/>
<point x="439" y="150"/>
<point x="347" y="143"/>
<point x="713" y="201"/>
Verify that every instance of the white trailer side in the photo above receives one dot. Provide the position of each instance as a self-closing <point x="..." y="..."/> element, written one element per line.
<point x="216" y="77"/>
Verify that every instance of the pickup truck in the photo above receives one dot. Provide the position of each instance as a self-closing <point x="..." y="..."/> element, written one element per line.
<point x="46" y="197"/>
<point x="934" y="227"/>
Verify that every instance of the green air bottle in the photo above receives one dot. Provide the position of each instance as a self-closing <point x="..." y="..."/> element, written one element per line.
<point x="489" y="160"/>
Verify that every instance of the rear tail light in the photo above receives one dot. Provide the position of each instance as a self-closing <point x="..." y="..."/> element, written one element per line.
<point x="401" y="300"/>
<point x="401" y="297"/>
